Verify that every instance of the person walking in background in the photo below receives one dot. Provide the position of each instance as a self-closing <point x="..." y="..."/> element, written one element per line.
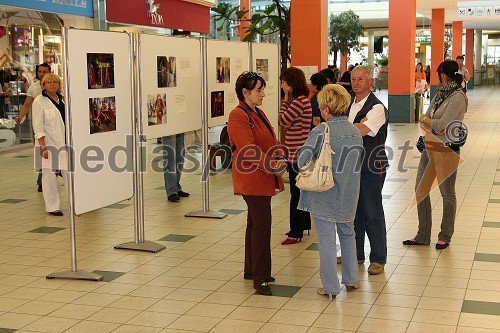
<point x="371" y="118"/>
<point x="376" y="71"/>
<point x="336" y="72"/>
<point x="345" y="79"/>
<point x="329" y="74"/>
<point x="334" y="210"/>
<point x="250" y="132"/>
<point x="441" y="157"/>
<point x="428" y="79"/>
<point x="420" y="88"/>
<point x="295" y="115"/>
<point x="33" y="92"/>
<point x="49" y="128"/>
<point x="173" y="158"/>
<point x="318" y="81"/>
<point x="463" y="71"/>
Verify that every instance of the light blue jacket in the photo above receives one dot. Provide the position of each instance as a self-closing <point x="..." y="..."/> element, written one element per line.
<point x="339" y="203"/>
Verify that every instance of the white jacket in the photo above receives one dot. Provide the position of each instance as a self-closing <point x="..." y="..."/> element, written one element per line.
<point x="48" y="123"/>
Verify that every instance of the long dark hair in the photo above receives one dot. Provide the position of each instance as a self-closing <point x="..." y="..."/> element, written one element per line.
<point x="450" y="69"/>
<point x="296" y="79"/>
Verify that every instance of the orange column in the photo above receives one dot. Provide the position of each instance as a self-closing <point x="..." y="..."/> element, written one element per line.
<point x="401" y="76"/>
<point x="469" y="55"/>
<point x="242" y="30"/>
<point x="456" y="39"/>
<point x="309" y="33"/>
<point x="437" y="43"/>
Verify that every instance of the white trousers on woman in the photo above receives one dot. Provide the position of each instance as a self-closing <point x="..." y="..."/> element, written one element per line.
<point x="50" y="189"/>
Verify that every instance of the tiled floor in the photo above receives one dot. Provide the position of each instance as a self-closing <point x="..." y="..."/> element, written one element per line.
<point x="196" y="283"/>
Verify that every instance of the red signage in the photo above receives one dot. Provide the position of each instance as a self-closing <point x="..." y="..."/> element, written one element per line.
<point x="171" y="14"/>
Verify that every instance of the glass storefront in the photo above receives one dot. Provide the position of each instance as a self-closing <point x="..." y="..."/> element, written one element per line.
<point x="27" y="38"/>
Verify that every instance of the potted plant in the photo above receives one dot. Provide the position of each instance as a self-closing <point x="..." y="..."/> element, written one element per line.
<point x="383" y="62"/>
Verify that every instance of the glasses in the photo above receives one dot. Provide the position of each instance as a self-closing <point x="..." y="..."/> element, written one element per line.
<point x="50" y="81"/>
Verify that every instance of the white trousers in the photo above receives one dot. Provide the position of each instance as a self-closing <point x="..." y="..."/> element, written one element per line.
<point x="50" y="189"/>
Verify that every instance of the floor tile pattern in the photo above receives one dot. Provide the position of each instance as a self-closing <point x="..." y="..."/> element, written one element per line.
<point x="196" y="284"/>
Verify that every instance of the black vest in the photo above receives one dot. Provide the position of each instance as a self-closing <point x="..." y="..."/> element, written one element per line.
<point x="375" y="157"/>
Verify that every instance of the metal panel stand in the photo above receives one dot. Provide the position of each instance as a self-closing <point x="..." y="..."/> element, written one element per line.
<point x="139" y="244"/>
<point x="74" y="274"/>
<point x="146" y="246"/>
<point x="77" y="275"/>
<point x="205" y="165"/>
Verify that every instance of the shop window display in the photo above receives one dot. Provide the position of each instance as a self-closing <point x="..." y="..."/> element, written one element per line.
<point x="22" y="47"/>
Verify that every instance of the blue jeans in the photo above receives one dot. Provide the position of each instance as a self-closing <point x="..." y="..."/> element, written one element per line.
<point x="370" y="218"/>
<point x="328" y="254"/>
<point x="173" y="159"/>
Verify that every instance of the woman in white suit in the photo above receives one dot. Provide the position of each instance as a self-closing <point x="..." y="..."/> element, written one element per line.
<point x="48" y="126"/>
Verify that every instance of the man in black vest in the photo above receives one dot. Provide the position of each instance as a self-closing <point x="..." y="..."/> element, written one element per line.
<point x="371" y="118"/>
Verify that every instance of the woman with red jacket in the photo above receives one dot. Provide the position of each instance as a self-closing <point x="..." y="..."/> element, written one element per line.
<point x="258" y="163"/>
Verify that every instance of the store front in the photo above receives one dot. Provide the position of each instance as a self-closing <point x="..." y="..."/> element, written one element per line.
<point x="174" y="15"/>
<point x="30" y="34"/>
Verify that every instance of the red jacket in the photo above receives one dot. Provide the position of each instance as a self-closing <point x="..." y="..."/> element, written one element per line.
<point x="252" y="156"/>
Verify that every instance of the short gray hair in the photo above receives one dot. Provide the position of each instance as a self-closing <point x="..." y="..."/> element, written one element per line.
<point x="368" y="69"/>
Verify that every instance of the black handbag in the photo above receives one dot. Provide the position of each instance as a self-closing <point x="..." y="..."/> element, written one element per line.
<point x="420" y="144"/>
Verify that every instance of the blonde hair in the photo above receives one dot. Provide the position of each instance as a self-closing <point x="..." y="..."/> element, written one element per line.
<point x="51" y="77"/>
<point x="335" y="98"/>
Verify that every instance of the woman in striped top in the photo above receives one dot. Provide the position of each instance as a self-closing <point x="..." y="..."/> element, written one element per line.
<point x="295" y="116"/>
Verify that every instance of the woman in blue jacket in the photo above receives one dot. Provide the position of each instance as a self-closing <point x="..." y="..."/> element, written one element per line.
<point x="334" y="210"/>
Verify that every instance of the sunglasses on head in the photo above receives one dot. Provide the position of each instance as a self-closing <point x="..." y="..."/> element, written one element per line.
<point x="251" y="75"/>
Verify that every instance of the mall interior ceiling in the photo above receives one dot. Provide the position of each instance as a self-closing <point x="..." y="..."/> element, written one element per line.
<point x="373" y="14"/>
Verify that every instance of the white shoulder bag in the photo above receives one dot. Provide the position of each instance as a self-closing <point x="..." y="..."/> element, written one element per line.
<point x="317" y="175"/>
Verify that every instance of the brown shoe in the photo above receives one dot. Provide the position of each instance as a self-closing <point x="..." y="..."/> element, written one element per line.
<point x="375" y="268"/>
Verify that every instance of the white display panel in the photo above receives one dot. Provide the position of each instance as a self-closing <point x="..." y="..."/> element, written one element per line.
<point x="170" y="79"/>
<point x="222" y="55"/>
<point x="262" y="55"/>
<point x="101" y="117"/>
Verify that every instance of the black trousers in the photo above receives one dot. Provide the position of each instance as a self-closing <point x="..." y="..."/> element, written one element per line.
<point x="258" y="237"/>
<point x="299" y="219"/>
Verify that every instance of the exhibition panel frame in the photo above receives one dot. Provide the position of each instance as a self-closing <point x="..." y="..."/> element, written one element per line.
<point x="100" y="102"/>
<point x="265" y="62"/>
<point x="170" y="85"/>
<point x="225" y="62"/>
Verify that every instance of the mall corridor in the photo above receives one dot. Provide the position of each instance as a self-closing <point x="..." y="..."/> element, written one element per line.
<point x="197" y="285"/>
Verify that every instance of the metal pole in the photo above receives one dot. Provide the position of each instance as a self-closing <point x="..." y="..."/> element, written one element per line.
<point x="250" y="57"/>
<point x="74" y="274"/>
<point x="139" y="243"/>
<point x="204" y="128"/>
<point x="135" y="131"/>
<point x="205" y="164"/>
<point x="139" y="139"/>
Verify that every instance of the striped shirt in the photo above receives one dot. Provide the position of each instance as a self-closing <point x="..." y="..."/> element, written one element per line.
<point x="296" y="117"/>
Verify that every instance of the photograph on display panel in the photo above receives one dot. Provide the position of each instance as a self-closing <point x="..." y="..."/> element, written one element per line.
<point x="217" y="103"/>
<point x="166" y="71"/>
<point x="157" y="109"/>
<point x="100" y="70"/>
<point x="223" y="66"/>
<point x="262" y="68"/>
<point x="102" y="114"/>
